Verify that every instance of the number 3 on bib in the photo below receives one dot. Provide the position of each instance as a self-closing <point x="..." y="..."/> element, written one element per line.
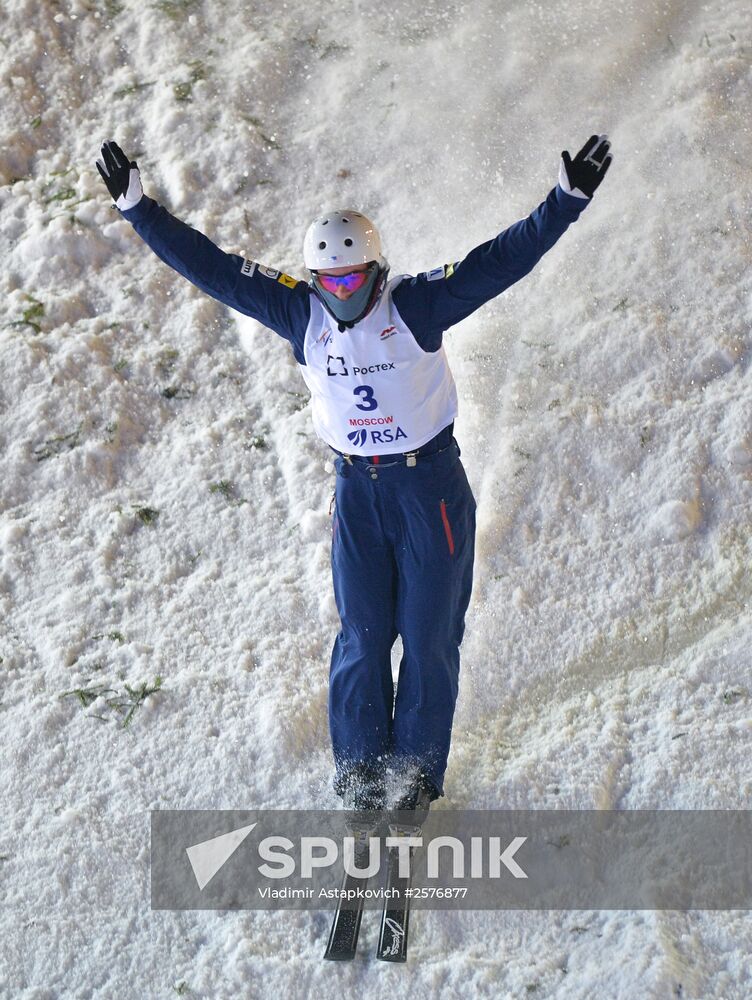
<point x="367" y="400"/>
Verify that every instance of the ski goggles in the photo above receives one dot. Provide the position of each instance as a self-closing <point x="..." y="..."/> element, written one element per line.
<point x="351" y="281"/>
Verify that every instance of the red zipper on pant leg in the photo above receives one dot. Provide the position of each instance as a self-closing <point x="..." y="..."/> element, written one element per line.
<point x="447" y="528"/>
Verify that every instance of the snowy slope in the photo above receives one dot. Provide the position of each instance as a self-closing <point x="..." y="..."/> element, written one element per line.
<point x="605" y="426"/>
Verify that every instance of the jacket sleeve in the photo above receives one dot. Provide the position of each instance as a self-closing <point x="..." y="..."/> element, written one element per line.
<point x="276" y="300"/>
<point x="435" y="300"/>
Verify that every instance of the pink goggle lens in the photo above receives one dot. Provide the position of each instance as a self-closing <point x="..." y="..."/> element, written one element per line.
<point x="352" y="281"/>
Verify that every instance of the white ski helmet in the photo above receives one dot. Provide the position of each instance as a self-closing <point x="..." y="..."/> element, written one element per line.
<point x="339" y="239"/>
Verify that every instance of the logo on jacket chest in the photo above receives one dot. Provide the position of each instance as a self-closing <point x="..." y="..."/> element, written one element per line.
<point x="387" y="435"/>
<point x="335" y="365"/>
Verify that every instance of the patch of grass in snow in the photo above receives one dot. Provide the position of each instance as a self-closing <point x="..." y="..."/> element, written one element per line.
<point x="63" y="194"/>
<point x="165" y="368"/>
<point x="646" y="435"/>
<point x="87" y="695"/>
<point x="730" y="696"/>
<point x="301" y="398"/>
<point x="133" y="88"/>
<point x="125" y="702"/>
<point x="184" y="91"/>
<point x="112" y="7"/>
<point x="263" y="134"/>
<point x="227" y="490"/>
<point x="325" y="49"/>
<point x="146" y="515"/>
<point x="177" y="392"/>
<point x="256" y="442"/>
<point x="235" y="379"/>
<point x="181" y="988"/>
<point x="166" y="361"/>
<point x="175" y="9"/>
<point x="34" y="312"/>
<point x="57" y="445"/>
<point x="138" y="696"/>
<point x="241" y="186"/>
<point x="115" y="636"/>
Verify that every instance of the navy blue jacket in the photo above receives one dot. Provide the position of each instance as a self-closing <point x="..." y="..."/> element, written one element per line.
<point x="429" y="303"/>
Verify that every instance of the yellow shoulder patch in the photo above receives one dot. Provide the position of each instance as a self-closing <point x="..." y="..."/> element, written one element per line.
<point x="448" y="270"/>
<point x="287" y="280"/>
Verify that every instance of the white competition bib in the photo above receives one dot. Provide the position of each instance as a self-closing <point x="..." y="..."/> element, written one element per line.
<point x="374" y="389"/>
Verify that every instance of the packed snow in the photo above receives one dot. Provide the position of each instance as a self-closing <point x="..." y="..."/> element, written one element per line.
<point x="164" y="527"/>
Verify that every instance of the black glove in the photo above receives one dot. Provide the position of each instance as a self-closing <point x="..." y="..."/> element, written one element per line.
<point x="582" y="175"/>
<point x="122" y="177"/>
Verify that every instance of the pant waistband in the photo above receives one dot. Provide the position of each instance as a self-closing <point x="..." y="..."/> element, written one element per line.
<point x="442" y="440"/>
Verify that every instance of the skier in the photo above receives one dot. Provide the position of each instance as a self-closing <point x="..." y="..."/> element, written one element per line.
<point x="382" y="397"/>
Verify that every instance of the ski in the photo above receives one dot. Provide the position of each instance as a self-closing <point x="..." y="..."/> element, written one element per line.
<point x="343" y="937"/>
<point x="395" y="917"/>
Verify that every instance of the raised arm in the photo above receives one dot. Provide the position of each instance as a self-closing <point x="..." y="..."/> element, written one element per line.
<point x="435" y="300"/>
<point x="276" y="300"/>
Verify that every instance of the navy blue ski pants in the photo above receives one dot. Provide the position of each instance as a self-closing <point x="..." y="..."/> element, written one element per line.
<point x="402" y="562"/>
